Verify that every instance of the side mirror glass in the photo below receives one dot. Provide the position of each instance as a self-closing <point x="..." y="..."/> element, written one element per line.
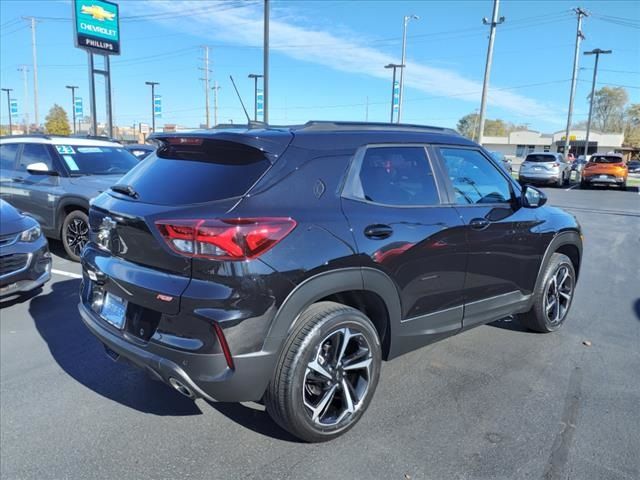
<point x="532" y="197"/>
<point x="40" y="168"/>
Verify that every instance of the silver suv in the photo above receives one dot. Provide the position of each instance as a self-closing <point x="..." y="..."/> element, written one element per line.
<point x="545" y="167"/>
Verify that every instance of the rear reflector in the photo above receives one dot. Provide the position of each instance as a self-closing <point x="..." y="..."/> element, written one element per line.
<point x="223" y="345"/>
<point x="225" y="239"/>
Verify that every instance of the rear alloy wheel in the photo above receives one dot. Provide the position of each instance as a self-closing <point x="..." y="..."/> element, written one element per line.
<point x="327" y="373"/>
<point x="75" y="233"/>
<point x="553" y="296"/>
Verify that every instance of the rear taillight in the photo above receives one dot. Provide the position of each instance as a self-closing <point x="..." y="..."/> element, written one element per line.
<point x="225" y="238"/>
<point x="556" y="164"/>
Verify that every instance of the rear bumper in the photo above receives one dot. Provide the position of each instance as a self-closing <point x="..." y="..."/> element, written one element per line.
<point x="551" y="178"/>
<point x="206" y="376"/>
<point x="610" y="179"/>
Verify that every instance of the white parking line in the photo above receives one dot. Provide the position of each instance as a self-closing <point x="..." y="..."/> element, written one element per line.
<point x="65" y="274"/>
<point x="573" y="186"/>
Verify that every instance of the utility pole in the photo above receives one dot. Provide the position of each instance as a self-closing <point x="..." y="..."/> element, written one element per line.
<point x="25" y="70"/>
<point x="255" y="77"/>
<point x="495" y="21"/>
<point x="393" y="84"/>
<point x="366" y="110"/>
<point x="9" y="90"/>
<point x="206" y="84"/>
<point x="265" y="66"/>
<point x="215" y="89"/>
<point x="597" y="52"/>
<point x="406" y="20"/>
<point x="153" y="111"/>
<point x="574" y="79"/>
<point x="73" y="104"/>
<point x="35" y="69"/>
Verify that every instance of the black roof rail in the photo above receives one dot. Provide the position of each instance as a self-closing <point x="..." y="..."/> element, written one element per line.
<point x="322" y="125"/>
<point x="28" y="135"/>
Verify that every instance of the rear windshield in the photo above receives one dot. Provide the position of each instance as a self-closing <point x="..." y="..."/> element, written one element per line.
<point x="540" y="158"/>
<point x="606" y="159"/>
<point x="88" y="160"/>
<point x="183" y="175"/>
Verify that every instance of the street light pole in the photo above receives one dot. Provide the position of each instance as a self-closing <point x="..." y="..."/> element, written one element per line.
<point x="597" y="52"/>
<point x="9" y="90"/>
<point x="394" y="66"/>
<point x="487" y="69"/>
<point x="73" y="104"/>
<point x="255" y="77"/>
<point x="153" y="110"/>
<point x="407" y="18"/>
<point x="265" y="67"/>
<point x="215" y="89"/>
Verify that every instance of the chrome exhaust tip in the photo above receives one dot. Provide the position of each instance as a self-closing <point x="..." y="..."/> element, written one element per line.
<point x="182" y="388"/>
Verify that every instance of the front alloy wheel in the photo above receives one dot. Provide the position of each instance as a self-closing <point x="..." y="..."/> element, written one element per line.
<point x="558" y="295"/>
<point x="75" y="234"/>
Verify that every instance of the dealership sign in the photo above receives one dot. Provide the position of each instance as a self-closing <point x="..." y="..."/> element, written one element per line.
<point x="97" y="26"/>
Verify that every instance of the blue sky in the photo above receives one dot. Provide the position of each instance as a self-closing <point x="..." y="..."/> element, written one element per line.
<point x="328" y="57"/>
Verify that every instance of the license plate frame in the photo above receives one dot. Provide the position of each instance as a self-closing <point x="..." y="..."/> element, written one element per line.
<point x="114" y="310"/>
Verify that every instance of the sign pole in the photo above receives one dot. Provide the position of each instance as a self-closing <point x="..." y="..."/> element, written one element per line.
<point x="8" y="90"/>
<point x="92" y="97"/>
<point x="107" y="85"/>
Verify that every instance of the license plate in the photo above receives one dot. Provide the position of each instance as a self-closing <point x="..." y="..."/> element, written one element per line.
<point x="113" y="310"/>
<point x="537" y="169"/>
<point x="603" y="177"/>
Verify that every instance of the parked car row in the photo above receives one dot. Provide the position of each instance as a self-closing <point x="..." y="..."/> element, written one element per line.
<point x="598" y="169"/>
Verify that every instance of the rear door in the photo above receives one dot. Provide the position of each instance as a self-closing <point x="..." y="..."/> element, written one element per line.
<point x="393" y="203"/>
<point x="504" y="253"/>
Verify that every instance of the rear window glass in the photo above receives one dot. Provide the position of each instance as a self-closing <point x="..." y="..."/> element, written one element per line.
<point x="540" y="158"/>
<point x="606" y="159"/>
<point x="183" y="175"/>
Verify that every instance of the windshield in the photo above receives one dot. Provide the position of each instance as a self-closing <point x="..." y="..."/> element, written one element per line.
<point x="540" y="158"/>
<point x="87" y="160"/>
<point x="606" y="159"/>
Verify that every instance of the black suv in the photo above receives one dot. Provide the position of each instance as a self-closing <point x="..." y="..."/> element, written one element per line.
<point x="284" y="264"/>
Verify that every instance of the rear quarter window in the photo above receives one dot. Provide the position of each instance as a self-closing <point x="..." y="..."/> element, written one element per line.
<point x="8" y="153"/>
<point x="181" y="175"/>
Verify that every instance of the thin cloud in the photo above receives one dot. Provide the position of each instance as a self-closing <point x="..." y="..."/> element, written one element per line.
<point x="243" y="25"/>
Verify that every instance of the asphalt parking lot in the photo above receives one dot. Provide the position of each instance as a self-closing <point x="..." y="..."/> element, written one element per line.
<point x="494" y="402"/>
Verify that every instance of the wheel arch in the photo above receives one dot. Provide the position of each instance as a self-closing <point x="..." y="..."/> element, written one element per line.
<point x="368" y="290"/>
<point x="568" y="243"/>
<point x="65" y="206"/>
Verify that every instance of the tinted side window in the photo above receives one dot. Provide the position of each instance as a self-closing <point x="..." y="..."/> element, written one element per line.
<point x="474" y="178"/>
<point x="8" y="155"/>
<point x="34" y="153"/>
<point x="398" y="176"/>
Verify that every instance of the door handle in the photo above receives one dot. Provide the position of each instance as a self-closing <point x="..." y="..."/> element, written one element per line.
<point x="479" y="223"/>
<point x="378" y="232"/>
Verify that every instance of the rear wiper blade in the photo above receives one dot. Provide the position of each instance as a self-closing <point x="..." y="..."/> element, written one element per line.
<point x="125" y="189"/>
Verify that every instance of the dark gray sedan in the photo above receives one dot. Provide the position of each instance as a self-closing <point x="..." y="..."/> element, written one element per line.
<point x="25" y="261"/>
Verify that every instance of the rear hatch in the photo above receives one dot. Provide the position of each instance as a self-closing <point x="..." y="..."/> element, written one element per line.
<point x="539" y="162"/>
<point x="609" y="164"/>
<point x="190" y="177"/>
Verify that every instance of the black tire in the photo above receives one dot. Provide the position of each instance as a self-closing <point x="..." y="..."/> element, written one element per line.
<point x="623" y="187"/>
<point x="315" y="339"/>
<point x="560" y="181"/>
<point x="539" y="318"/>
<point x="584" y="185"/>
<point x="75" y="233"/>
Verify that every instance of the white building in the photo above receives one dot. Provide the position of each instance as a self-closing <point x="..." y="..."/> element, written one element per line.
<point x="519" y="143"/>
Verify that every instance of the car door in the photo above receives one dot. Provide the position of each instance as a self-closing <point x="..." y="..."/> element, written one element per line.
<point x="401" y="227"/>
<point x="8" y="158"/>
<point x="35" y="193"/>
<point x="504" y="252"/>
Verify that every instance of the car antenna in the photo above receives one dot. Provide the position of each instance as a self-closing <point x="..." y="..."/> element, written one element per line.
<point x="249" y="122"/>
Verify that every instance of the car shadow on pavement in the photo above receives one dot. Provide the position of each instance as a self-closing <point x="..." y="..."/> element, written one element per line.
<point x="636" y="308"/>
<point x="11" y="300"/>
<point x="511" y="323"/>
<point x="83" y="358"/>
<point x="55" y="247"/>
<point x="255" y="419"/>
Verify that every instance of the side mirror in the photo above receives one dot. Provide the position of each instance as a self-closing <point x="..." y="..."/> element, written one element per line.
<point x="40" y="168"/>
<point x="532" y="197"/>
